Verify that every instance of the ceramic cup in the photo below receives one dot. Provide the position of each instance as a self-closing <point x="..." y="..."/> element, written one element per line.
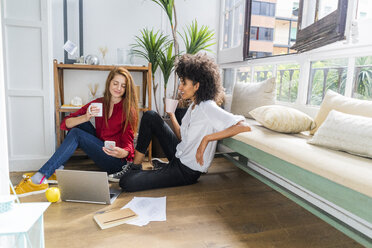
<point x="97" y="105"/>
<point x="170" y="105"/>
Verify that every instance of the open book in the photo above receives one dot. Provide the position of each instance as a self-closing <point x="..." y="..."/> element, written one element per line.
<point x="114" y="217"/>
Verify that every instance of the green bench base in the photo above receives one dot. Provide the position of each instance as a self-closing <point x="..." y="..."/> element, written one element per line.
<point x="345" y="198"/>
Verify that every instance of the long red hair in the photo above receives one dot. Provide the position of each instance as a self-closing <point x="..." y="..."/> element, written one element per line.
<point x="130" y="101"/>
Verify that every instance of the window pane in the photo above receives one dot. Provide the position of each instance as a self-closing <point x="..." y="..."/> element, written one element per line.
<point x="265" y="34"/>
<point x="324" y="75"/>
<point x="272" y="9"/>
<point x="255" y="8"/>
<point x="228" y="4"/>
<point x="233" y="26"/>
<point x="228" y="84"/>
<point x="326" y="7"/>
<point x="261" y="73"/>
<point x="243" y="75"/>
<point x="253" y="34"/>
<point x="287" y="79"/>
<point x="362" y="88"/>
<point x="364" y="9"/>
<point x="228" y="80"/>
<point x="238" y="25"/>
<point x="275" y="27"/>
<point x="227" y="30"/>
<point x="265" y="9"/>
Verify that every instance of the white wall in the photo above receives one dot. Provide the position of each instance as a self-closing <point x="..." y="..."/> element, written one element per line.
<point x="114" y="23"/>
<point x="4" y="162"/>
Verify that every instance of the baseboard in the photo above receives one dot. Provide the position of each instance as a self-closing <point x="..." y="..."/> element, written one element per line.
<point x="27" y="164"/>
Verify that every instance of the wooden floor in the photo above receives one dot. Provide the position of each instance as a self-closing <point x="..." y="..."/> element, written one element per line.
<point x="226" y="208"/>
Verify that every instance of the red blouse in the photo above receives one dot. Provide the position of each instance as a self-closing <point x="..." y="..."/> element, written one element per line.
<point x="114" y="129"/>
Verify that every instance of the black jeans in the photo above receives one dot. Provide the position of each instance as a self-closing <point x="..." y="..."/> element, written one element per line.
<point x="173" y="174"/>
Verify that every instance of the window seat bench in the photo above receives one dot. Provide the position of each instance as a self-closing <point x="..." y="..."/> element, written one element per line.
<point x="335" y="186"/>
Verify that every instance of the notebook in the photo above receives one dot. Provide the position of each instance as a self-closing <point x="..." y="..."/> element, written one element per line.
<point x="86" y="186"/>
<point x="115" y="217"/>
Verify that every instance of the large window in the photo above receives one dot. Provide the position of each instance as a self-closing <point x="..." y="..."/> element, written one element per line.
<point x="287" y="78"/>
<point x="303" y="79"/>
<point x="324" y="75"/>
<point x="362" y="86"/>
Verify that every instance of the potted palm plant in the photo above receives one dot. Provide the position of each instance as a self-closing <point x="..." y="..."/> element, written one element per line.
<point x="149" y="46"/>
<point x="157" y="49"/>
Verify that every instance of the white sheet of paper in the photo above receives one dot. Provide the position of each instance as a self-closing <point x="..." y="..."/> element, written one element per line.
<point x="148" y="209"/>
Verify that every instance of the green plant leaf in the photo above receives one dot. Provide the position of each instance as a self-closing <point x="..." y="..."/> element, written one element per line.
<point x="148" y="46"/>
<point x="167" y="5"/>
<point x="197" y="39"/>
<point x="166" y="62"/>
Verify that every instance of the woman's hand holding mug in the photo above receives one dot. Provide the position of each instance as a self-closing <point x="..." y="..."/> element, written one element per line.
<point x="94" y="110"/>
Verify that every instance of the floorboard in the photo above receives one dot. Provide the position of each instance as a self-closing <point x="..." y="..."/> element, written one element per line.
<point x="226" y="208"/>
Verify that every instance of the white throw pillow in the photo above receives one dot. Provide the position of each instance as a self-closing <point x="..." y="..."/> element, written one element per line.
<point x="282" y="119"/>
<point x="248" y="96"/>
<point x="333" y="100"/>
<point x="345" y="132"/>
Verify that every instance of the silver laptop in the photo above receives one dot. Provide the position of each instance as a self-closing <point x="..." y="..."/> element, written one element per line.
<point x="86" y="186"/>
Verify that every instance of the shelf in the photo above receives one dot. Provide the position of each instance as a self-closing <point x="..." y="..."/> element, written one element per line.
<point x="59" y="89"/>
<point x="101" y="67"/>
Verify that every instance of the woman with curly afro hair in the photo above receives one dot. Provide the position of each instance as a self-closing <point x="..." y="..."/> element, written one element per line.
<point x="190" y="148"/>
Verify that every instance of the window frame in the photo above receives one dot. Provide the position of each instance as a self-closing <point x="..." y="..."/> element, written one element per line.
<point x="329" y="29"/>
<point x="233" y="54"/>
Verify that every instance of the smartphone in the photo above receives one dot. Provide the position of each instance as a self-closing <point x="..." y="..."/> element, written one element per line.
<point x="110" y="144"/>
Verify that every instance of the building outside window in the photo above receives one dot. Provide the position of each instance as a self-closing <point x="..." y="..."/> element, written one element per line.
<point x="275" y="21"/>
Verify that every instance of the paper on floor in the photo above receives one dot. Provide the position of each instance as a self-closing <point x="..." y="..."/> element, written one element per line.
<point x="148" y="209"/>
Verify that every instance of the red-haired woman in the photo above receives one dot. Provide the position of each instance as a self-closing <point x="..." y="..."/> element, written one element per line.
<point x="118" y="123"/>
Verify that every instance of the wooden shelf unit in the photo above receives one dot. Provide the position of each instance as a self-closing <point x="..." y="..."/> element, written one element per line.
<point x="59" y="89"/>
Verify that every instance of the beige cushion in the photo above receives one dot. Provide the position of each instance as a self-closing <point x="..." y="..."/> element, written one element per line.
<point x="349" y="133"/>
<point x="343" y="168"/>
<point x="333" y="100"/>
<point x="248" y="96"/>
<point x="282" y="119"/>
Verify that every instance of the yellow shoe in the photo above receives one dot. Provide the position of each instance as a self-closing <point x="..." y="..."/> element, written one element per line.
<point x="52" y="179"/>
<point x="27" y="187"/>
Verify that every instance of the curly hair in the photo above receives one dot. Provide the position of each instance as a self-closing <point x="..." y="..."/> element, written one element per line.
<point x="202" y="69"/>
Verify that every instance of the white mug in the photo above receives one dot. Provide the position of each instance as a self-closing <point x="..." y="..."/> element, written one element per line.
<point x="97" y="105"/>
<point x="170" y="105"/>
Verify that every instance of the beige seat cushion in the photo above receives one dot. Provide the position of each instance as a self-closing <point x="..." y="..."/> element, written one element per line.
<point x="333" y="100"/>
<point x="349" y="170"/>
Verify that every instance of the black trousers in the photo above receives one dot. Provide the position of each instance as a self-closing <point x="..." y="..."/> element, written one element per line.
<point x="173" y="174"/>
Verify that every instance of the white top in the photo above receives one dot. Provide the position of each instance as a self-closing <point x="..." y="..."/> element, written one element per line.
<point x="206" y="118"/>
